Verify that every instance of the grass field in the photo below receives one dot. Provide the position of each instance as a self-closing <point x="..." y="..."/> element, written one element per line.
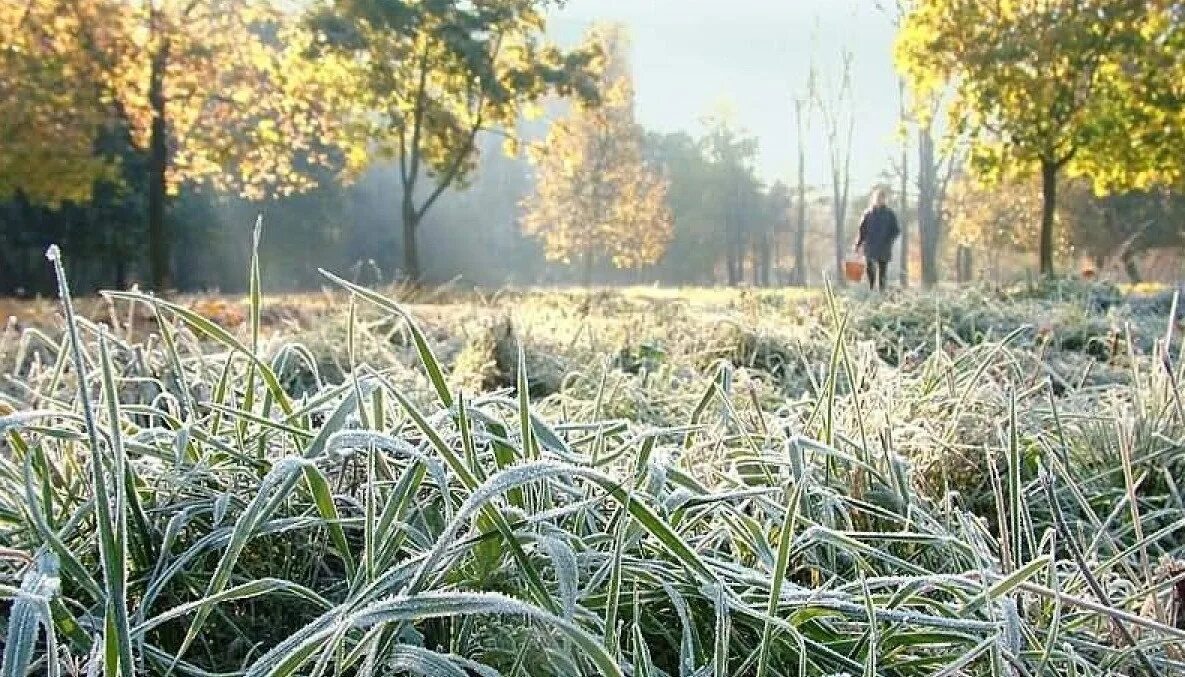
<point x="635" y="482"/>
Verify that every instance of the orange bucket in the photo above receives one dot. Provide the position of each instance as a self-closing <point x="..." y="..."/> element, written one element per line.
<point x="853" y="270"/>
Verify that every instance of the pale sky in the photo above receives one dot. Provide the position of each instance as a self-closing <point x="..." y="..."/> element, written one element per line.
<point x="688" y="55"/>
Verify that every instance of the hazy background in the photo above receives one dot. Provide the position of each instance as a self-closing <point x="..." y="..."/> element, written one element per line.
<point x="688" y="59"/>
<point x="699" y="128"/>
<point x="689" y="56"/>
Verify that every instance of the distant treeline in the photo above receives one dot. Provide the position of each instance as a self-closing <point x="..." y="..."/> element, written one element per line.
<point x="471" y="236"/>
<point x="146" y="138"/>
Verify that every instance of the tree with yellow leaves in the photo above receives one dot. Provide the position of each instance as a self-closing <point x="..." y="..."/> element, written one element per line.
<point x="48" y="118"/>
<point x="595" y="196"/>
<point x="1051" y="87"/>
<point x="420" y="82"/>
<point x="210" y="91"/>
<point x="1000" y="216"/>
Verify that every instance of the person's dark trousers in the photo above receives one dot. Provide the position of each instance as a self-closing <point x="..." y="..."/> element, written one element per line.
<point x="876" y="271"/>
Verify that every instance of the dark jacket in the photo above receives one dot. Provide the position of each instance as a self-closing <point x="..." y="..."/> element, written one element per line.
<point x="878" y="232"/>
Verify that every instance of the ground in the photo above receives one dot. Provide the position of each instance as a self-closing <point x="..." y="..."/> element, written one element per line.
<point x="678" y="480"/>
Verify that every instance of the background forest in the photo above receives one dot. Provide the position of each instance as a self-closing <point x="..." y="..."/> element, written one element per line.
<point x="148" y="137"/>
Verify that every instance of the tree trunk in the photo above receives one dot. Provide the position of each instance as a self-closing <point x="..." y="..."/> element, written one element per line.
<point x="928" y="230"/>
<point x="762" y="260"/>
<point x="840" y="248"/>
<point x="8" y="274"/>
<point x="754" y="256"/>
<point x="963" y="264"/>
<point x="1049" y="171"/>
<point x="767" y="262"/>
<point x="904" y="192"/>
<point x="800" y="234"/>
<point x="736" y="267"/>
<point x="120" y="272"/>
<point x="159" y="256"/>
<point x="841" y="182"/>
<point x="930" y="259"/>
<point x="754" y="264"/>
<point x="1131" y="268"/>
<point x="411" y="255"/>
<point x="800" y="277"/>
<point x="587" y="273"/>
<point x="730" y="255"/>
<point x="772" y="254"/>
<point x="735" y="246"/>
<point x="843" y="188"/>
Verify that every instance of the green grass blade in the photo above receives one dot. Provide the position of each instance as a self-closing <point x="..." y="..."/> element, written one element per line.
<point x="115" y="563"/>
<point x="108" y="511"/>
<point x="216" y="333"/>
<point x="279" y="482"/>
<point x="28" y="616"/>
<point x="785" y="541"/>
<point x="323" y="498"/>
<point x="427" y="357"/>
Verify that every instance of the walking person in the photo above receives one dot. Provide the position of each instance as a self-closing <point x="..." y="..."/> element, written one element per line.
<point x="878" y="232"/>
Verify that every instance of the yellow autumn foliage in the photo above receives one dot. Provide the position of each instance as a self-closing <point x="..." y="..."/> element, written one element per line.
<point x="595" y="196"/>
<point x="242" y="110"/>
